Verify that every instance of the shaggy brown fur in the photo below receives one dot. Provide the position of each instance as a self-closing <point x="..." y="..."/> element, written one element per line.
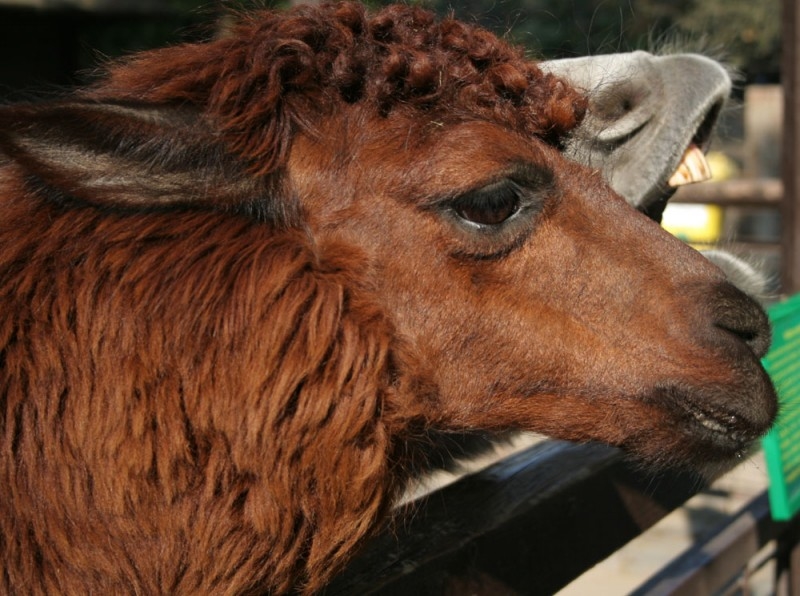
<point x="243" y="280"/>
<point x="138" y="445"/>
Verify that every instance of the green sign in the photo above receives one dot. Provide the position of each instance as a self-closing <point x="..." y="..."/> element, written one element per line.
<point x="782" y="444"/>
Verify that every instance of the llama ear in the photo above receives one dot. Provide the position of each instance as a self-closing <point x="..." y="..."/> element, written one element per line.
<point x="129" y="156"/>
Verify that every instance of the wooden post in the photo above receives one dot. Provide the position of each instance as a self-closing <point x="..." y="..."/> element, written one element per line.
<point x="790" y="210"/>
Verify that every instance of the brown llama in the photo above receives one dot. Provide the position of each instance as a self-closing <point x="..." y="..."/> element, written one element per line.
<point x="245" y="282"/>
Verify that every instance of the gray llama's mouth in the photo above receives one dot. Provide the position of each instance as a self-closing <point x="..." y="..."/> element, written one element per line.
<point x="692" y="168"/>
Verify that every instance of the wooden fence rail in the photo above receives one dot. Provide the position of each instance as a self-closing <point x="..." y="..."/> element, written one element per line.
<point x="533" y="522"/>
<point x="761" y="192"/>
<point x="528" y="524"/>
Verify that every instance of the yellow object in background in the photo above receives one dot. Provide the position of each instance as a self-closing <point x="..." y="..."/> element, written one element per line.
<point x="722" y="166"/>
<point x="695" y="224"/>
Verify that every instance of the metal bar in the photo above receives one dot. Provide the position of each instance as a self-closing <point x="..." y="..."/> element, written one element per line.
<point x="790" y="76"/>
<point x="787" y="580"/>
<point x="709" y="566"/>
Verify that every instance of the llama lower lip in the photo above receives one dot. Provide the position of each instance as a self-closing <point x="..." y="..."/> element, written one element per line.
<point x="723" y="427"/>
<point x="706" y="419"/>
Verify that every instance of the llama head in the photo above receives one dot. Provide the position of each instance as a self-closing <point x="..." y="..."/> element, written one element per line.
<point x="426" y="158"/>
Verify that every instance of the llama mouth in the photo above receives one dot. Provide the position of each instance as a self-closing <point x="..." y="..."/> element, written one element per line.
<point x="693" y="167"/>
<point x="719" y="424"/>
<point x="725" y="430"/>
<point x="725" y="427"/>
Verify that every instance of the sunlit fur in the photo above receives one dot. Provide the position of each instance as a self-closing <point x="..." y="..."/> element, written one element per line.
<point x="238" y="301"/>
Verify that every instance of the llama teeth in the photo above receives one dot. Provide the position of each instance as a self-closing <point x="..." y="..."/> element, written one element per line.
<point x="693" y="168"/>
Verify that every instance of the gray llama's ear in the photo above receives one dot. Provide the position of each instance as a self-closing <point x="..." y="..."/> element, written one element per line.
<point x="125" y="156"/>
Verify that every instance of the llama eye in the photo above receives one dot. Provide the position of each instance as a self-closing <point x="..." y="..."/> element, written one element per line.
<point x="490" y="206"/>
<point x="491" y="221"/>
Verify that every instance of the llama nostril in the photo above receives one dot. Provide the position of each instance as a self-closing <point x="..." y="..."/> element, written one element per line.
<point x="741" y="316"/>
<point x="757" y="339"/>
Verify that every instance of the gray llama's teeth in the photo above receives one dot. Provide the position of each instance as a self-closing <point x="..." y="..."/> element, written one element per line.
<point x="693" y="168"/>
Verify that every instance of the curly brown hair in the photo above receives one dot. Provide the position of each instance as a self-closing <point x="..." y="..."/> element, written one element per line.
<point x="276" y="70"/>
